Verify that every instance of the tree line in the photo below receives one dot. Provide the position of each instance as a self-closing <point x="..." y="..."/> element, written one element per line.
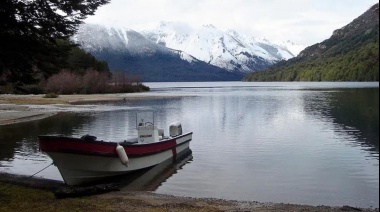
<point x="359" y="65"/>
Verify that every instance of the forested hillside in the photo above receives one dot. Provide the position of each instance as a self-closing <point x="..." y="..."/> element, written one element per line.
<point x="350" y="54"/>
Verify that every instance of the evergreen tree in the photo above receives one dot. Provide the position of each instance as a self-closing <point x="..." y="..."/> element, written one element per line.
<point x="29" y="33"/>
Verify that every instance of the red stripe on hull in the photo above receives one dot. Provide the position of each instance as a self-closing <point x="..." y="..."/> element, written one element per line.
<point x="100" y="148"/>
<point x="61" y="144"/>
<point x="174" y="151"/>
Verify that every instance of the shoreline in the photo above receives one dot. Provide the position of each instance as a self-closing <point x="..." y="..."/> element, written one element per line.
<point x="16" y="109"/>
<point x="117" y="200"/>
<point x="74" y="99"/>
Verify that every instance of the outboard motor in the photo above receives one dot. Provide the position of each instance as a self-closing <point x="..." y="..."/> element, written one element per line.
<point x="175" y="129"/>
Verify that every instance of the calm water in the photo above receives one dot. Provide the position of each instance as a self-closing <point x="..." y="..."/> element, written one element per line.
<point x="306" y="143"/>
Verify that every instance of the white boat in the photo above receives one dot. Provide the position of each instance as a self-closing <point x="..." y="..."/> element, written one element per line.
<point x="87" y="160"/>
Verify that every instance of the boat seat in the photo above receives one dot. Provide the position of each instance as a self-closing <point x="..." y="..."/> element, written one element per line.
<point x="129" y="141"/>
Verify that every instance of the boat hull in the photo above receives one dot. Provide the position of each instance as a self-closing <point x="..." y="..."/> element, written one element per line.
<point x="83" y="162"/>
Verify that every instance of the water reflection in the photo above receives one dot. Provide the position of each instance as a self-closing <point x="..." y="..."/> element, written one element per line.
<point x="19" y="149"/>
<point x="152" y="178"/>
<point x="283" y="145"/>
<point x="353" y="112"/>
<point x="317" y="146"/>
<point x="22" y="138"/>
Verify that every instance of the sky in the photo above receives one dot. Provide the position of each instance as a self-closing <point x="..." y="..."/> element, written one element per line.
<point x="305" y="22"/>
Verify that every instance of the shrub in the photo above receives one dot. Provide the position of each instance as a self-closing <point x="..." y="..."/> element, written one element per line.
<point x="64" y="82"/>
<point x="93" y="82"/>
<point x="51" y="95"/>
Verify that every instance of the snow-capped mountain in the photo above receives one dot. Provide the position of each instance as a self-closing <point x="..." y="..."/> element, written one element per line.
<point x="179" y="52"/>
<point x="96" y="38"/>
<point x="129" y="51"/>
<point x="228" y="49"/>
<point x="294" y="48"/>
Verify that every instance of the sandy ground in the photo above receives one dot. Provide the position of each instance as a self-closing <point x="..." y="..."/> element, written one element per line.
<point x="16" y="108"/>
<point x="77" y="99"/>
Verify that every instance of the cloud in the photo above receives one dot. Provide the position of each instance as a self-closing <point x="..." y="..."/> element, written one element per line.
<point x="304" y="21"/>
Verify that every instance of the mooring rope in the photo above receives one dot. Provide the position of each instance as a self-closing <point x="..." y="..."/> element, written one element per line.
<point x="27" y="177"/>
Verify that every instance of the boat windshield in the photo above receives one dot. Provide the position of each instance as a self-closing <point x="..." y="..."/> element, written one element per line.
<point x="144" y="119"/>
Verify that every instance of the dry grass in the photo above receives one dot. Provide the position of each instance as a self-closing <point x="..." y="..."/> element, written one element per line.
<point x="61" y="99"/>
<point x="19" y="198"/>
<point x="32" y="101"/>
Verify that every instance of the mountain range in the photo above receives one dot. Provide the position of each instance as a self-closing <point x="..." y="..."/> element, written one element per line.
<point x="350" y="54"/>
<point x="179" y="52"/>
<point x="226" y="49"/>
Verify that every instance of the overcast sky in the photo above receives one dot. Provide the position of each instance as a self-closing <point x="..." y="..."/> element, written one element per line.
<point x="302" y="21"/>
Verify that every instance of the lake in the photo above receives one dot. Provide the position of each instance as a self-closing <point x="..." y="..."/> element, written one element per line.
<point x="302" y="143"/>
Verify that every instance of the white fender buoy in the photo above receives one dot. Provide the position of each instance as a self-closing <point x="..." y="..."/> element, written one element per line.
<point x="122" y="155"/>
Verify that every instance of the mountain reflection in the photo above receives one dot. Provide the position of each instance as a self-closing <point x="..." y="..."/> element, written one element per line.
<point x="353" y="111"/>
